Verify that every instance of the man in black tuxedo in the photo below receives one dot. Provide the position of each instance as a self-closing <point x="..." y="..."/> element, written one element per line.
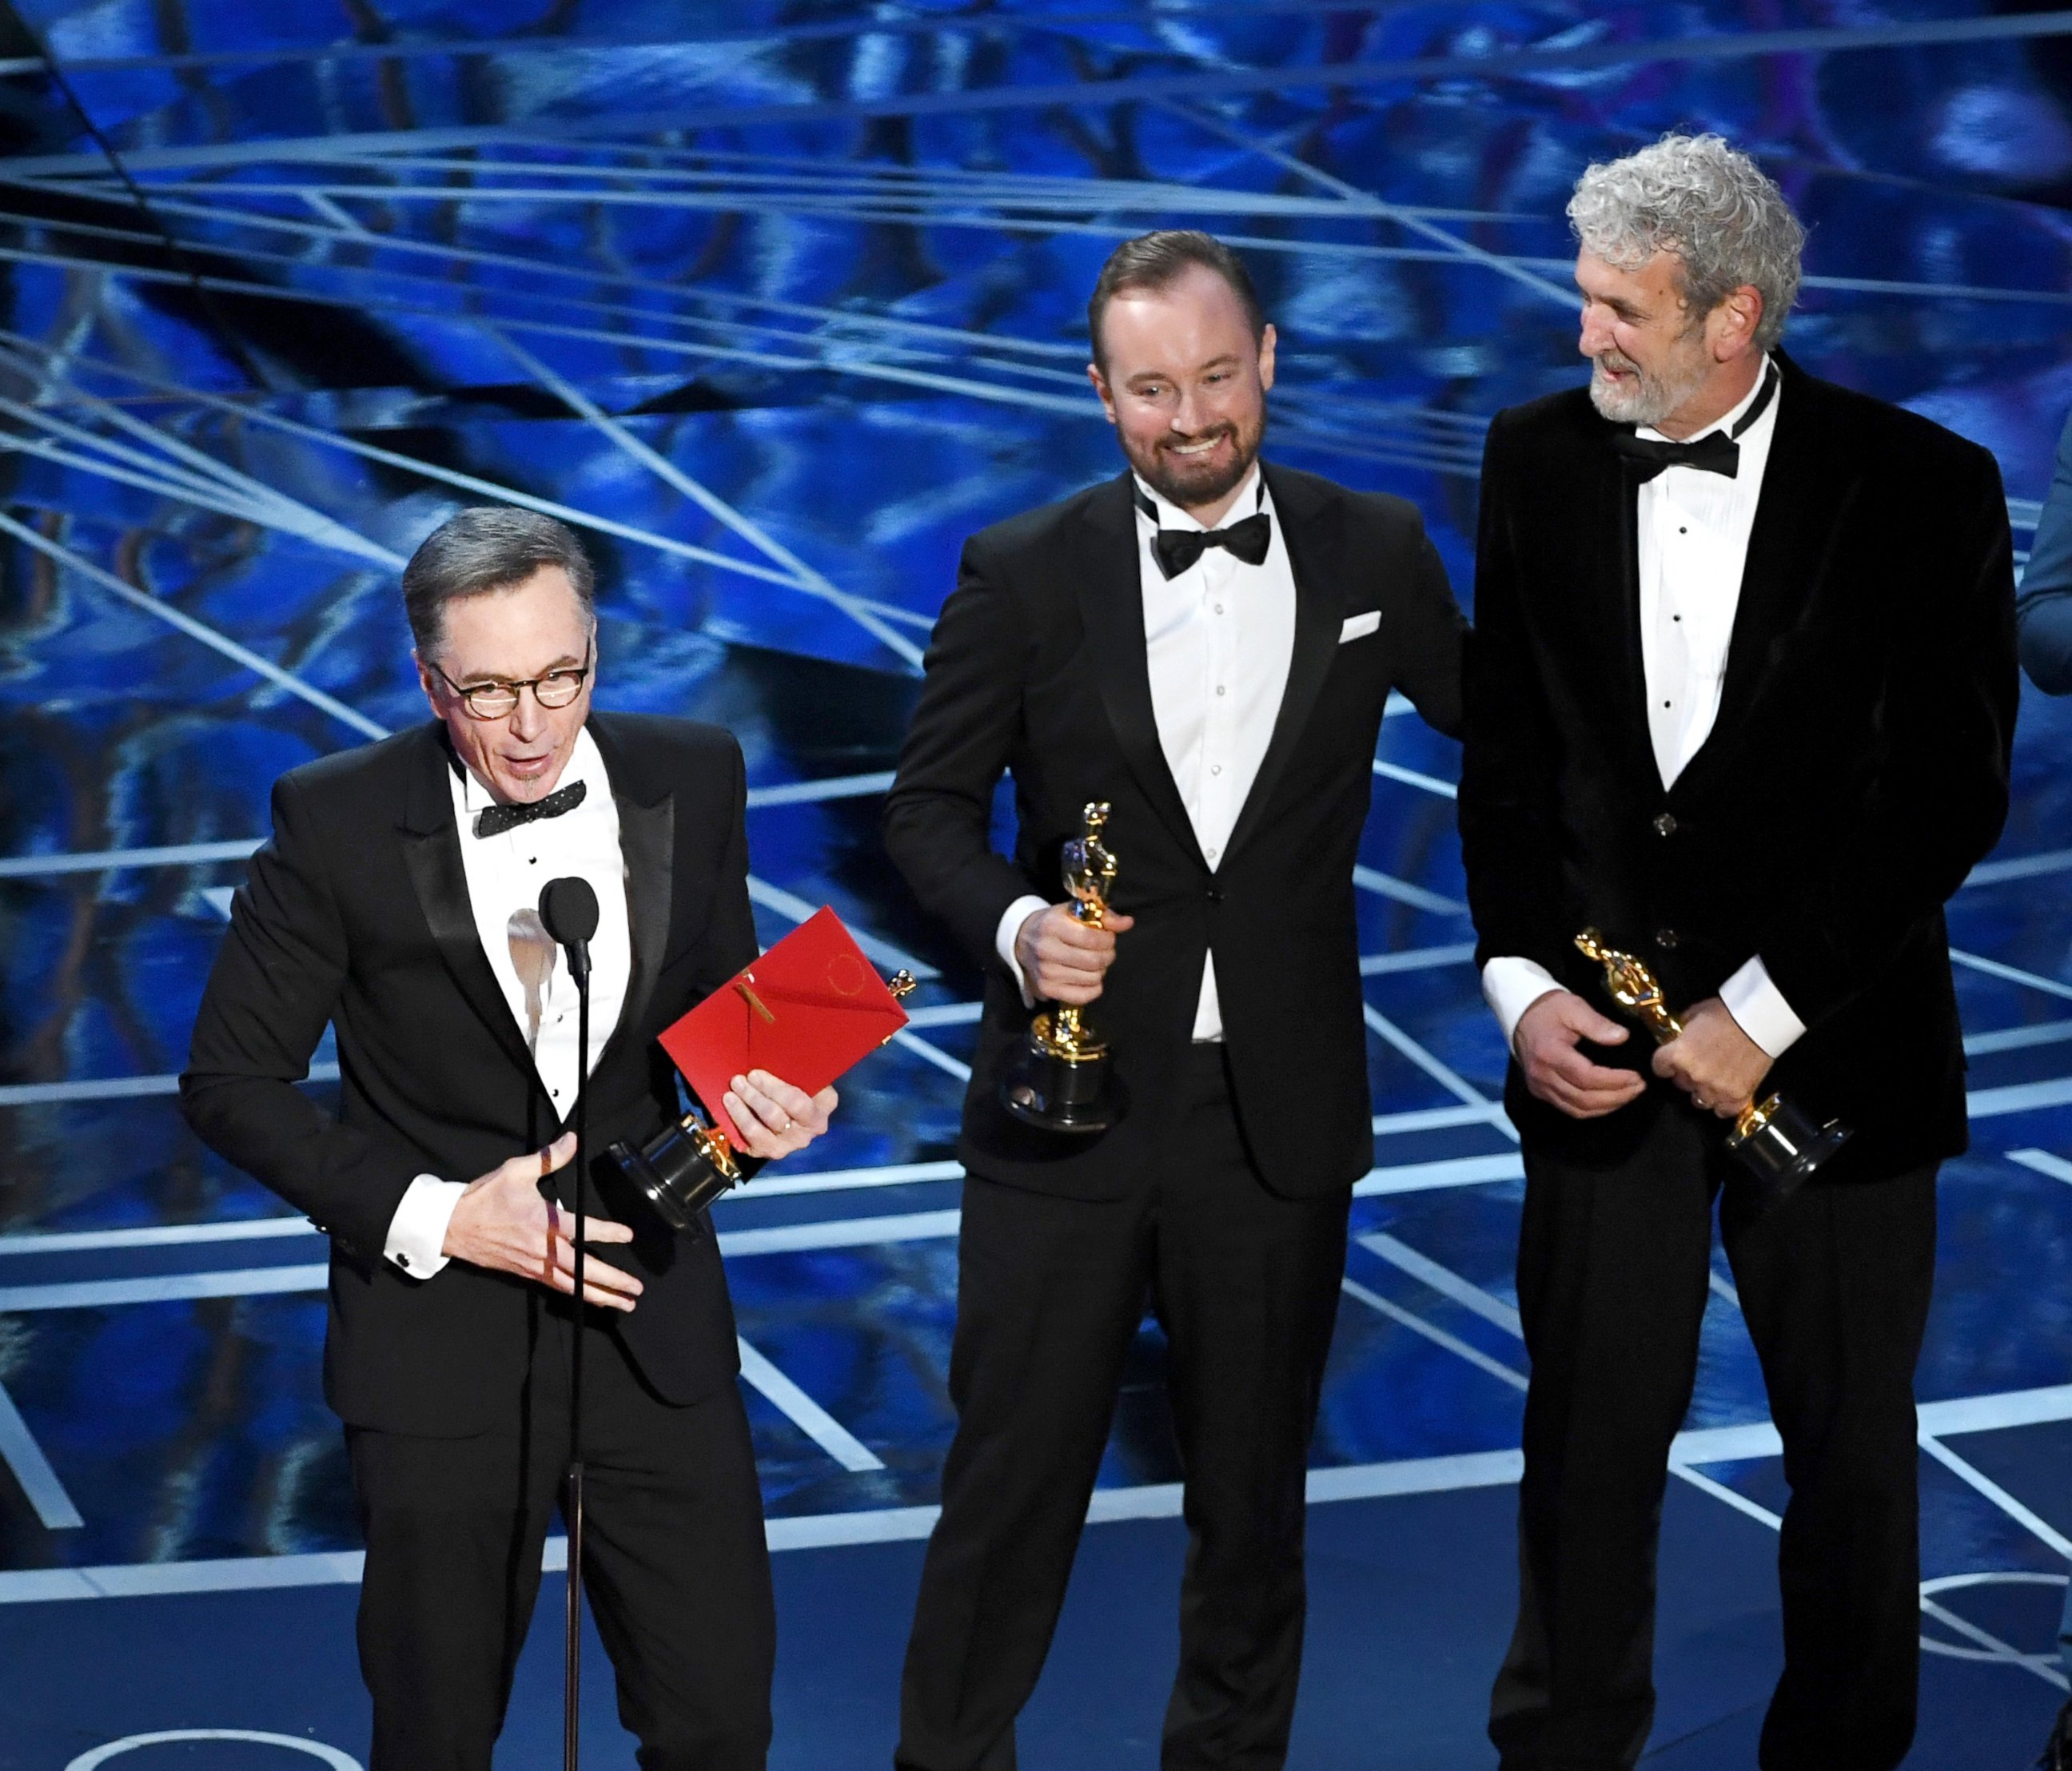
<point x="396" y="901"/>
<point x="1222" y="687"/>
<point x="1741" y="695"/>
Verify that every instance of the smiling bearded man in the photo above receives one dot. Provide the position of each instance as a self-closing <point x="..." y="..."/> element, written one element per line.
<point x="1741" y="695"/>
<point x="1206" y="644"/>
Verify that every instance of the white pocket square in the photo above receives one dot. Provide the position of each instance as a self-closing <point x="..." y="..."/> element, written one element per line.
<point x="1360" y="627"/>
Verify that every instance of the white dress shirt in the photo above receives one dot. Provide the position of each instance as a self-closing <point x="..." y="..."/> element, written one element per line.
<point x="1218" y="638"/>
<point x="504" y="874"/>
<point x="1694" y="529"/>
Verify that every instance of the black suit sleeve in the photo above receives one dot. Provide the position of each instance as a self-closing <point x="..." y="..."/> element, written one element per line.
<point x="728" y="944"/>
<point x="1939" y="796"/>
<point x="1509" y="839"/>
<point x="1431" y="631"/>
<point x="939" y="815"/>
<point x="276" y="981"/>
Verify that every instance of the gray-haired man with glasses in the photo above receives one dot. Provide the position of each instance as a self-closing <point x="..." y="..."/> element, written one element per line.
<point x="397" y="902"/>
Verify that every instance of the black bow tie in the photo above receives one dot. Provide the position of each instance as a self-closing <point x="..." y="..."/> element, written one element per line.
<point x="493" y="820"/>
<point x="1179" y="548"/>
<point x="1717" y="452"/>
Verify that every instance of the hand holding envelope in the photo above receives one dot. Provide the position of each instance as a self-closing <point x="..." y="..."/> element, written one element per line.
<point x="806" y="1011"/>
<point x="775" y="1118"/>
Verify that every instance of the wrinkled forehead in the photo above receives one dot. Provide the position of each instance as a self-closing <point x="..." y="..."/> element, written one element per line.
<point x="1640" y="278"/>
<point x="516" y="631"/>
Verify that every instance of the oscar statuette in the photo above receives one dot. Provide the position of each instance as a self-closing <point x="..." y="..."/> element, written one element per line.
<point x="1773" y="1138"/>
<point x="1061" y="1079"/>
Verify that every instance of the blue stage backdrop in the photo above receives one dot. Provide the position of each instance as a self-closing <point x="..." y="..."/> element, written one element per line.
<point x="776" y="303"/>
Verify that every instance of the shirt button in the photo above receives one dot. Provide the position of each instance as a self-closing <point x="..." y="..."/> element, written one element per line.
<point x="1221" y="690"/>
<point x="1220" y="608"/>
<point x="1216" y="768"/>
<point x="1665" y="824"/>
<point x="1665" y="939"/>
<point x="1214" y="852"/>
<point x="556" y="1093"/>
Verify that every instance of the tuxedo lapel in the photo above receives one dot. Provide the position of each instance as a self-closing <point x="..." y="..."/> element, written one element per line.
<point x="431" y="851"/>
<point x="646" y="843"/>
<point x="1623" y="661"/>
<point x="1313" y="530"/>
<point x="1803" y="502"/>
<point x="1111" y="609"/>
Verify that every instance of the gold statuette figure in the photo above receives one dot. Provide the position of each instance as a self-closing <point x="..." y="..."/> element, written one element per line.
<point x="1062" y="1080"/>
<point x="1773" y="1137"/>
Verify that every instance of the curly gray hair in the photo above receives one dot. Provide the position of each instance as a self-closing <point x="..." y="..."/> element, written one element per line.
<point x="1710" y="205"/>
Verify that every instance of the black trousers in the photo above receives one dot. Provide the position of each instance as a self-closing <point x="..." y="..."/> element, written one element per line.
<point x="1051" y="1293"/>
<point x="674" y="1565"/>
<point x="1613" y="1269"/>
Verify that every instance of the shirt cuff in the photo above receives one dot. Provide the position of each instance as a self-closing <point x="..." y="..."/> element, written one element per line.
<point x="1003" y="940"/>
<point x="418" y="1232"/>
<point x="1760" y="1010"/>
<point x="1510" y="985"/>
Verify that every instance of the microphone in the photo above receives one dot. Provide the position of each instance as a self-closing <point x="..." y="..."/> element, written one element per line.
<point x="568" y="907"/>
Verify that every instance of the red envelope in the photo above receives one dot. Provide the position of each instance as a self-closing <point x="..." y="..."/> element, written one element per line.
<point x="807" y="1011"/>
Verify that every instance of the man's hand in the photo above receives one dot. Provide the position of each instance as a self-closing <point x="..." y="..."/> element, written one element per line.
<point x="1065" y="959"/>
<point x="775" y="1117"/>
<point x="501" y="1222"/>
<point x="1560" y="1075"/>
<point x="1717" y="1064"/>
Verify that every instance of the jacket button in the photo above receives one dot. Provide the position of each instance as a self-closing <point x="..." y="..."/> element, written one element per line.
<point x="1665" y="938"/>
<point x="1214" y="893"/>
<point x="1665" y="824"/>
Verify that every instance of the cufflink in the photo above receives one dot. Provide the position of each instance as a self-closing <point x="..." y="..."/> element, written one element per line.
<point x="402" y="1260"/>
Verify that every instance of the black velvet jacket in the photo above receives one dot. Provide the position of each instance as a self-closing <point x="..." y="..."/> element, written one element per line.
<point x="356" y="913"/>
<point x="1857" y="771"/>
<point x="1037" y="666"/>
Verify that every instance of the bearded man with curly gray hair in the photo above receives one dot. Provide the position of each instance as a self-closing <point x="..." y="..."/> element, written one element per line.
<point x="1740" y="697"/>
<point x="1716" y="226"/>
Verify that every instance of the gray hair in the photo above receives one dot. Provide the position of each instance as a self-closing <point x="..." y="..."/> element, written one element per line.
<point x="490" y="547"/>
<point x="1712" y="207"/>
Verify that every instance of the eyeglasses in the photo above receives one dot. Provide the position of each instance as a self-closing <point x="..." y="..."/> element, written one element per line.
<point x="497" y="701"/>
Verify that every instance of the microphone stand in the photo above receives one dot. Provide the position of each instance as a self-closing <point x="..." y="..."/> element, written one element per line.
<point x="579" y="970"/>
<point x="569" y="909"/>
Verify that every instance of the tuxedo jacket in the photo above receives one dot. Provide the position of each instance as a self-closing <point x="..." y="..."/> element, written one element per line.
<point x="356" y="913"/>
<point x="1857" y="771"/>
<point x="1037" y="666"/>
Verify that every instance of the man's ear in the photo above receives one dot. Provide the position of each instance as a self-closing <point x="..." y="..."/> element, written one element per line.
<point x="426" y="681"/>
<point x="1734" y="323"/>
<point x="1267" y="339"/>
<point x="1101" y="388"/>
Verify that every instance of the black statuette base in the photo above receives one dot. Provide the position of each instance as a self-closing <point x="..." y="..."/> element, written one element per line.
<point x="1050" y="1092"/>
<point x="675" y="1174"/>
<point x="1789" y="1147"/>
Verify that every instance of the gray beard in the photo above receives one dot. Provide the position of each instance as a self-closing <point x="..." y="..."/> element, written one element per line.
<point x="1647" y="404"/>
